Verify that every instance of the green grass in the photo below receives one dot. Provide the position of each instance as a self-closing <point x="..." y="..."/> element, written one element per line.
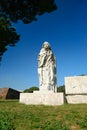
<point x="16" y="116"/>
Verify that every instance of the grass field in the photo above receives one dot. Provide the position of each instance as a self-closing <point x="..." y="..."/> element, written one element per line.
<point x="16" y="116"/>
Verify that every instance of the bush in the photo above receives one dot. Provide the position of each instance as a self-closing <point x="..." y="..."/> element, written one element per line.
<point x="30" y="90"/>
<point x="61" y="89"/>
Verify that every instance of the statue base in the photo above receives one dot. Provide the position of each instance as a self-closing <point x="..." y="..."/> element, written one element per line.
<point x="76" y="99"/>
<point x="42" y="97"/>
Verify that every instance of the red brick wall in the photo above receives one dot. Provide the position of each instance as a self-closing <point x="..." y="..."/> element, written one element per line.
<point x="9" y="93"/>
<point x="3" y="92"/>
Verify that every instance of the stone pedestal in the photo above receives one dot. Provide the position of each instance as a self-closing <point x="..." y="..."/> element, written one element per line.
<point x="40" y="97"/>
<point x="76" y="99"/>
<point x="76" y="89"/>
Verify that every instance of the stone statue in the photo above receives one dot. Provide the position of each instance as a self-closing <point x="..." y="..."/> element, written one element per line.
<point x="47" y="68"/>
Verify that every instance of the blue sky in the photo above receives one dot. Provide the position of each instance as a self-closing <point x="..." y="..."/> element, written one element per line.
<point x="66" y="31"/>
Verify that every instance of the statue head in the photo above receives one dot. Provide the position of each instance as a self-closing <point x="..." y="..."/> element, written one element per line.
<point x="46" y="45"/>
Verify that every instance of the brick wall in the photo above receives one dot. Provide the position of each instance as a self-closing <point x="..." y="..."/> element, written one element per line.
<point x="3" y="92"/>
<point x="9" y="93"/>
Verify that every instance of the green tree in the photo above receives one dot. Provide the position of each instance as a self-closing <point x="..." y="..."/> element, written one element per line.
<point x="8" y="35"/>
<point x="24" y="10"/>
<point x="83" y="75"/>
<point x="30" y="90"/>
<point x="61" y="89"/>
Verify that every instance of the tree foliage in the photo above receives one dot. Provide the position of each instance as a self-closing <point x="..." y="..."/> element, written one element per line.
<point x="83" y="75"/>
<point x="61" y="89"/>
<point x="30" y="90"/>
<point x="8" y="35"/>
<point x="24" y="10"/>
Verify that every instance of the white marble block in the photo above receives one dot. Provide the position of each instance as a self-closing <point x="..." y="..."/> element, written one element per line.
<point x="76" y="85"/>
<point x="76" y="99"/>
<point x="76" y="89"/>
<point x="45" y="98"/>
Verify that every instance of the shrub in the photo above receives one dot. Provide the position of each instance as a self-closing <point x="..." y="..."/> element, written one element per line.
<point x="30" y="90"/>
<point x="61" y="89"/>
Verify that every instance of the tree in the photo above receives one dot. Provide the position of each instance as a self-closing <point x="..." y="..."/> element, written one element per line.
<point x="61" y="89"/>
<point x="8" y="35"/>
<point x="30" y="90"/>
<point x="24" y="10"/>
<point x="83" y="75"/>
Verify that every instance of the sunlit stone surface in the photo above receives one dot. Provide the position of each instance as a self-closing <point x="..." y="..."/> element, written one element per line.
<point x="76" y="89"/>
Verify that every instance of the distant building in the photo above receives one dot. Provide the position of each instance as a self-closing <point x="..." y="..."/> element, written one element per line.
<point x="9" y="93"/>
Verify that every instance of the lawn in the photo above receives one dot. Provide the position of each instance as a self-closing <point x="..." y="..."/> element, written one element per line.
<point x="17" y="116"/>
